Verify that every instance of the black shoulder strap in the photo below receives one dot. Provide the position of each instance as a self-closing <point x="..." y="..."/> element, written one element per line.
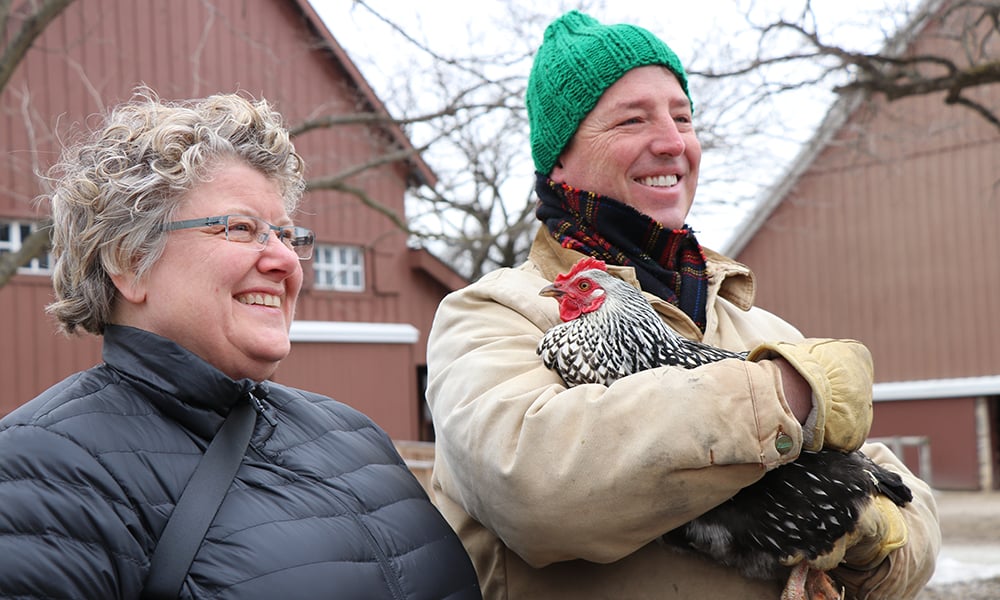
<point x="198" y="504"/>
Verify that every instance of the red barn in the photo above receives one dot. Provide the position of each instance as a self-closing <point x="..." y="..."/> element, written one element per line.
<point x="368" y="299"/>
<point x="885" y="230"/>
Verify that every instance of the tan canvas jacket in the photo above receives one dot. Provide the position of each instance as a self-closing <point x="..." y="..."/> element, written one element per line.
<point x="563" y="493"/>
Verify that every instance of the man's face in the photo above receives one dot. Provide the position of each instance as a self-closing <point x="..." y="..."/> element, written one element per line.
<point x="638" y="146"/>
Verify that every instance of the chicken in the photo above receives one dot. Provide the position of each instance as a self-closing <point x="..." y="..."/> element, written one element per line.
<point x="793" y="514"/>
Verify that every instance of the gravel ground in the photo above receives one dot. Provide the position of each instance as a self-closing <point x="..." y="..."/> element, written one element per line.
<point x="968" y="519"/>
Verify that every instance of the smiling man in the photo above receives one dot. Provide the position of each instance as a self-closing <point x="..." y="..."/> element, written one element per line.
<point x="638" y="145"/>
<point x="563" y="491"/>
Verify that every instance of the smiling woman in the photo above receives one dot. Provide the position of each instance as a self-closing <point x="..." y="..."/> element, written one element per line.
<point x="174" y="240"/>
<point x="203" y="289"/>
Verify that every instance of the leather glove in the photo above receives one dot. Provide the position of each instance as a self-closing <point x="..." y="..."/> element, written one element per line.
<point x="880" y="530"/>
<point x="840" y="375"/>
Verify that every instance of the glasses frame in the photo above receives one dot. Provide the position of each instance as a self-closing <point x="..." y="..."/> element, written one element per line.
<point x="299" y="239"/>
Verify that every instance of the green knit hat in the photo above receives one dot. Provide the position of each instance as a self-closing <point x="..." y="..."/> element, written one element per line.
<point x="578" y="60"/>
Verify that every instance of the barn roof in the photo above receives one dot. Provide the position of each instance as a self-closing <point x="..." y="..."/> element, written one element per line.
<point x="838" y="114"/>
<point x="420" y="173"/>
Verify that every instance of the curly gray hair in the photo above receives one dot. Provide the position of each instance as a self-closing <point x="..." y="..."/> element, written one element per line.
<point x="114" y="191"/>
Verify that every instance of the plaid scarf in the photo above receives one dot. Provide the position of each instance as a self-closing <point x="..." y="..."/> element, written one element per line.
<point x="668" y="263"/>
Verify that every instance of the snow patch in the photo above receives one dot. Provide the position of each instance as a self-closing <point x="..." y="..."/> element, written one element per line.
<point x="966" y="563"/>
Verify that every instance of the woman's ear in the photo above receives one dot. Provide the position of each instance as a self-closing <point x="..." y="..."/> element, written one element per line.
<point x="130" y="288"/>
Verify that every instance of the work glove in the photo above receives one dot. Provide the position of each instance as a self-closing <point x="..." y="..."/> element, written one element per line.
<point x="880" y="530"/>
<point x="840" y="375"/>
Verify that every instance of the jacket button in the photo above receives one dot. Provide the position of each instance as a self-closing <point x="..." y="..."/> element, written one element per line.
<point x="783" y="443"/>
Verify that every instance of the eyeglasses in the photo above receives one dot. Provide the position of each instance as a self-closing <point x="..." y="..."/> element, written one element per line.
<point x="251" y="230"/>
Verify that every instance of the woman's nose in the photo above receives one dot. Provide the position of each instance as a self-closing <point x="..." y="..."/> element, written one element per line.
<point x="276" y="248"/>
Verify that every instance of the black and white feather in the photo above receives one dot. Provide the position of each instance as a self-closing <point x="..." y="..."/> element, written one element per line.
<point x="622" y="337"/>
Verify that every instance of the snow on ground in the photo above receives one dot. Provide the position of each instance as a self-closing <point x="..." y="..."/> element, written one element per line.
<point x="966" y="563"/>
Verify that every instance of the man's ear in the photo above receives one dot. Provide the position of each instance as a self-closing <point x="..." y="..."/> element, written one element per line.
<point x="130" y="287"/>
<point x="556" y="173"/>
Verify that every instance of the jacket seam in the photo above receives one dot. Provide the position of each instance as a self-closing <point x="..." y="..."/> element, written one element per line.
<point x="756" y="416"/>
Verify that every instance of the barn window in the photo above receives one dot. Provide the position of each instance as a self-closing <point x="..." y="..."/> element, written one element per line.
<point x="340" y="268"/>
<point x="12" y="236"/>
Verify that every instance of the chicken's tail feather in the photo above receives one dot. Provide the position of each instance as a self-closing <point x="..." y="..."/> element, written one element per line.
<point x="891" y="485"/>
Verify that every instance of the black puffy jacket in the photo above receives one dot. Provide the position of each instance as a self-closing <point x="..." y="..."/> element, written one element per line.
<point x="322" y="505"/>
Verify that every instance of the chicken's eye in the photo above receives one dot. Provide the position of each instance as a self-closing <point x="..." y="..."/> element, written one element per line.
<point x="583" y="286"/>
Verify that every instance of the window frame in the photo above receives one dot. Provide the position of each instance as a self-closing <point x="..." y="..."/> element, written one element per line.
<point x="336" y="275"/>
<point x="15" y="229"/>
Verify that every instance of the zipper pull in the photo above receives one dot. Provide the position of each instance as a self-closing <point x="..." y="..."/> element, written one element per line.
<point x="262" y="410"/>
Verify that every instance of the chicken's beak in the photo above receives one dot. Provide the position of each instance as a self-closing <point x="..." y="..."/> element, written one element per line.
<point x="551" y="291"/>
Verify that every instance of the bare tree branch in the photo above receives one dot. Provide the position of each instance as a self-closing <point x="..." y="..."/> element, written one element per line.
<point x="972" y="27"/>
<point x="31" y="27"/>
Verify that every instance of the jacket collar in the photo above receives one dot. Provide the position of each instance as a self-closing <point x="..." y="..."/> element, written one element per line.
<point x="180" y="383"/>
<point x="729" y="279"/>
<point x="736" y="282"/>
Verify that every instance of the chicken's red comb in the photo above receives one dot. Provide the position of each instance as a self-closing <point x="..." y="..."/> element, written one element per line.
<point x="584" y="264"/>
